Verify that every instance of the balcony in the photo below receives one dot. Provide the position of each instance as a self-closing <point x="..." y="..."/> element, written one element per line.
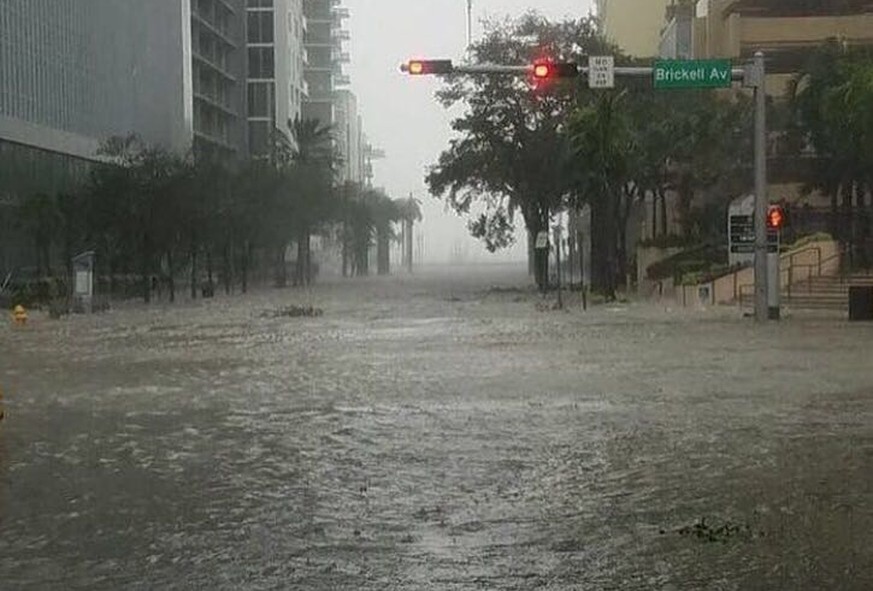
<point x="208" y="26"/>
<point x="211" y="102"/>
<point x="213" y="66"/>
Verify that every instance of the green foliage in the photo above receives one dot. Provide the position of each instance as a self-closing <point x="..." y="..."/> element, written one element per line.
<point x="151" y="214"/>
<point x="831" y="98"/>
<point x="511" y="155"/>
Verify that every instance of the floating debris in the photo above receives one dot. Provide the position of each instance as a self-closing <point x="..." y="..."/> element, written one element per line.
<point x="707" y="532"/>
<point x="294" y="312"/>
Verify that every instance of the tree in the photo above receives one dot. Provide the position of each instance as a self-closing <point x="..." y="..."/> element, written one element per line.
<point x="314" y="173"/>
<point x="831" y="100"/>
<point x="511" y="154"/>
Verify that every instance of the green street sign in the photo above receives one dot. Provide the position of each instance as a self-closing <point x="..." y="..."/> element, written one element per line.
<point x="692" y="73"/>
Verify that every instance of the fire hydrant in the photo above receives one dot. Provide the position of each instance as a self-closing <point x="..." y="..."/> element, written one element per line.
<point x="19" y="315"/>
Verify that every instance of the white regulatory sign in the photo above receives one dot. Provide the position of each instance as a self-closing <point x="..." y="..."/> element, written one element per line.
<point x="601" y="71"/>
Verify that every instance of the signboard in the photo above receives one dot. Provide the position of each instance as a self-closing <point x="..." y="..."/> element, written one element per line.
<point x="692" y="74"/>
<point x="741" y="232"/>
<point x="542" y="241"/>
<point x="601" y="71"/>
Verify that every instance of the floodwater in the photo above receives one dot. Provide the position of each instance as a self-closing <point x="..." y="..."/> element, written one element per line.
<point x="427" y="433"/>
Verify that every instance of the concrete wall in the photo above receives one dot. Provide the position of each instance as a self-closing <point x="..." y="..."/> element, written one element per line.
<point x="818" y="258"/>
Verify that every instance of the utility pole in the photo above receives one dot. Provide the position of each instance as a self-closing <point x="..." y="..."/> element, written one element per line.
<point x="558" y="238"/>
<point x="469" y="25"/>
<point x="758" y="82"/>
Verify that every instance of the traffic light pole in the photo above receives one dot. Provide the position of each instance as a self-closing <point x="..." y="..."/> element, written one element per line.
<point x="752" y="76"/>
<point x="766" y="297"/>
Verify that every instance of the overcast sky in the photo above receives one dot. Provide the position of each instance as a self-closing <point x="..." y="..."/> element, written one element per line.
<point x="400" y="114"/>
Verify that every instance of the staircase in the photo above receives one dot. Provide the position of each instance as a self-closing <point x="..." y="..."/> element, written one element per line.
<point x="817" y="292"/>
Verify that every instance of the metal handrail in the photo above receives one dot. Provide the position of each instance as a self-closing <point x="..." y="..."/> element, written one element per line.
<point x="791" y="266"/>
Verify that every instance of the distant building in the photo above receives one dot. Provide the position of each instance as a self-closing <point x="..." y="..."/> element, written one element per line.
<point x="349" y="136"/>
<point x="328" y="101"/>
<point x="634" y="25"/>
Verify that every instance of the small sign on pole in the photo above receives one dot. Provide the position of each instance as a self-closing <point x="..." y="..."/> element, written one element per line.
<point x="601" y="71"/>
<point x="542" y="241"/>
<point x="83" y="281"/>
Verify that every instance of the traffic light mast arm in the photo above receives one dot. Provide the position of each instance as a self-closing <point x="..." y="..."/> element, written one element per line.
<point x="737" y="74"/>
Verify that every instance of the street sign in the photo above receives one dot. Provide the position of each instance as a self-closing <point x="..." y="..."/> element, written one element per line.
<point x="692" y="74"/>
<point x="542" y="241"/>
<point x="601" y="71"/>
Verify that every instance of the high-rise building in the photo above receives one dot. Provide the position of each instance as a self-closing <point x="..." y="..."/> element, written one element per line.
<point x="633" y="25"/>
<point x="348" y="136"/>
<point x="73" y="73"/>
<point x="218" y="74"/>
<point x="325" y="57"/>
<point x="276" y="86"/>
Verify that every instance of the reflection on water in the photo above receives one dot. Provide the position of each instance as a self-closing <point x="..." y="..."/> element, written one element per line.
<point x="425" y="435"/>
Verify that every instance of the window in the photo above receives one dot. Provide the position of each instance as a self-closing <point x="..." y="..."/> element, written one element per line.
<point x="259" y="137"/>
<point x="260" y="27"/>
<point x="261" y="63"/>
<point x="261" y="99"/>
<point x="260" y="3"/>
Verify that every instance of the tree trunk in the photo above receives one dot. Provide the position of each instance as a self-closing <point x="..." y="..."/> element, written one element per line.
<point x="383" y="252"/>
<point x="244" y="264"/>
<point x="209" y="270"/>
<point x="146" y="279"/>
<point x="663" y="198"/>
<point x="531" y="254"/>
<point x="193" y="255"/>
<point x="227" y="270"/>
<point x="171" y="279"/>
<point x="603" y="243"/>
<point x="281" y="270"/>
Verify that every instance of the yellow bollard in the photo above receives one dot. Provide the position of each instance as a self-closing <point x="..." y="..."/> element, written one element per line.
<point x="19" y="315"/>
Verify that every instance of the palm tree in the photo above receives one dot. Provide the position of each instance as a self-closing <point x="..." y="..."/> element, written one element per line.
<point x="310" y="162"/>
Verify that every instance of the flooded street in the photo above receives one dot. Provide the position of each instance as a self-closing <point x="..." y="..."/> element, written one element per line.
<point x="430" y="433"/>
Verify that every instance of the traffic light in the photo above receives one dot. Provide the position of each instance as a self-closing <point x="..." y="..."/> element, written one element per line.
<point x="775" y="217"/>
<point x="423" y="67"/>
<point x="549" y="70"/>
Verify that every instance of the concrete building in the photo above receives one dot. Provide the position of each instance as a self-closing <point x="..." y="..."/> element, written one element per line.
<point x="325" y="58"/>
<point x="276" y="87"/>
<point x="73" y="73"/>
<point x="218" y="67"/>
<point x="349" y="136"/>
<point x="785" y="31"/>
<point x="634" y="25"/>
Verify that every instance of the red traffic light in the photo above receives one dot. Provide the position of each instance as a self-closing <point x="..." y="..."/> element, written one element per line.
<point x="422" y="67"/>
<point x="548" y="70"/>
<point x="542" y="71"/>
<point x="775" y="217"/>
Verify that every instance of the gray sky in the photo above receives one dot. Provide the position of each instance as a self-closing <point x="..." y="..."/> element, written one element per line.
<point x="400" y="113"/>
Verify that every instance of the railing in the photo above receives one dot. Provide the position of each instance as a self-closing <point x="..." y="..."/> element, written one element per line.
<point x="790" y="271"/>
